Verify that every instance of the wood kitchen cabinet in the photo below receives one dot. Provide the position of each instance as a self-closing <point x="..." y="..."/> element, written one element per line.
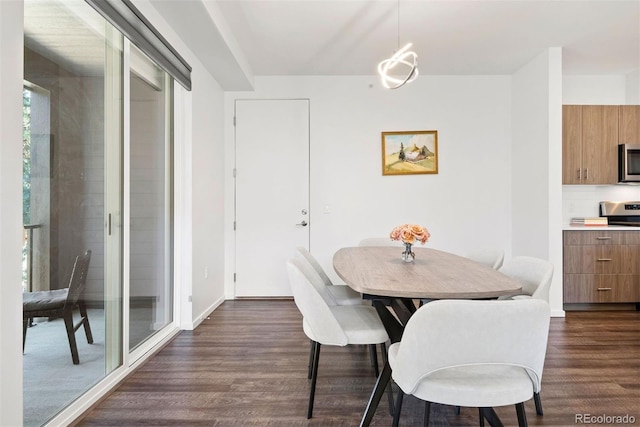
<point x="590" y="144"/>
<point x="629" y="124"/>
<point x="601" y="267"/>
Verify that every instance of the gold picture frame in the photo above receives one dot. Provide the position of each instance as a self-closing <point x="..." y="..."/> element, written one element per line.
<point x="410" y="152"/>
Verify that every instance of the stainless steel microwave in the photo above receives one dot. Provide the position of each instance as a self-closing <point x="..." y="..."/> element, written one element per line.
<point x="629" y="163"/>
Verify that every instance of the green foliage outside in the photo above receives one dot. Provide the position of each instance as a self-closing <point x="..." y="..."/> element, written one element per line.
<point x="26" y="174"/>
<point x="26" y="156"/>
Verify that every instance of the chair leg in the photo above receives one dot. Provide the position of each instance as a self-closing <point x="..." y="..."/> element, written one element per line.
<point x="25" y="325"/>
<point x="71" y="334"/>
<point x="398" y="408"/>
<point x="522" y="416"/>
<point x="374" y="358"/>
<point x="538" y="402"/>
<point x="481" y="414"/>
<point x="85" y="321"/>
<point x="314" y="377"/>
<point x="311" y="352"/>
<point x="427" y="411"/>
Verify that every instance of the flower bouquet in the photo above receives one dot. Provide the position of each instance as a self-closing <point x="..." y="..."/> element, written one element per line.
<point x="410" y="234"/>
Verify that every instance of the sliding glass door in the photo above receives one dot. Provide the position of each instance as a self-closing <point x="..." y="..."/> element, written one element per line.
<point x="97" y="146"/>
<point x="150" y="199"/>
<point x="72" y="139"/>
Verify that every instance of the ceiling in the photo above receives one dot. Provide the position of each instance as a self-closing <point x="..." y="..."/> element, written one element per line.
<point x="350" y="37"/>
<point x="239" y="39"/>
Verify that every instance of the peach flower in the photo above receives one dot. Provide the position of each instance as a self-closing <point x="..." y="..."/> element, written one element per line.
<point x="407" y="235"/>
<point x="410" y="233"/>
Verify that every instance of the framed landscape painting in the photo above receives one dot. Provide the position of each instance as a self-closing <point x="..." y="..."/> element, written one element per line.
<point x="410" y="152"/>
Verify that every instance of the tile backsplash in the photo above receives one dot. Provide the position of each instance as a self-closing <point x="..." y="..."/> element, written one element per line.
<point x="583" y="200"/>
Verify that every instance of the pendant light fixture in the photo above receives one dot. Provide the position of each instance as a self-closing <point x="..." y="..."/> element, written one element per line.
<point x="403" y="63"/>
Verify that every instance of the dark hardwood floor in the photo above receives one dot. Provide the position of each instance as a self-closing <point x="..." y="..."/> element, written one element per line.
<point x="247" y="366"/>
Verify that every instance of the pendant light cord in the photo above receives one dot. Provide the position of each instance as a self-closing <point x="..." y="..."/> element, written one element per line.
<point x="398" y="24"/>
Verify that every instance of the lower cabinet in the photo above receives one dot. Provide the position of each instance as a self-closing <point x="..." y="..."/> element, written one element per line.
<point x="601" y="267"/>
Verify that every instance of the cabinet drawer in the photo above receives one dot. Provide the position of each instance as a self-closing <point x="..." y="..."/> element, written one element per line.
<point x="600" y="237"/>
<point x="595" y="288"/>
<point x="602" y="259"/>
<point x="630" y="237"/>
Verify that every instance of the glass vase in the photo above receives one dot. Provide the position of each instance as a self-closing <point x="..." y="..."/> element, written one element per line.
<point x="408" y="255"/>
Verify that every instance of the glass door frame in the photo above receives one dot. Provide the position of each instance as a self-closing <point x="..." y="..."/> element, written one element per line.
<point x="131" y="360"/>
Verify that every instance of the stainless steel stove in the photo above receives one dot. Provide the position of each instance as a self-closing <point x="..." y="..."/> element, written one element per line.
<point x="621" y="213"/>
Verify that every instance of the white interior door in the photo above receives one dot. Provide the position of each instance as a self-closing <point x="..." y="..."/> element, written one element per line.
<point x="272" y="192"/>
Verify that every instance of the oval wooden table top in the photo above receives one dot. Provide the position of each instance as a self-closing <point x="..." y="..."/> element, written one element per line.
<point x="433" y="274"/>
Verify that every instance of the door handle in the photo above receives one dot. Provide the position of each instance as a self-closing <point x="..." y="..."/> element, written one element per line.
<point x="303" y="223"/>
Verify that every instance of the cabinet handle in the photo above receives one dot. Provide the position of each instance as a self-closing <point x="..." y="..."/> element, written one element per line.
<point x="604" y="289"/>
<point x="604" y="259"/>
<point x="603" y="238"/>
<point x="586" y="174"/>
<point x="579" y="174"/>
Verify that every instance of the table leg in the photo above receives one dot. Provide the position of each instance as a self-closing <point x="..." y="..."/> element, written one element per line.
<point x="402" y="309"/>
<point x="378" y="390"/>
<point x="492" y="417"/>
<point x="391" y="324"/>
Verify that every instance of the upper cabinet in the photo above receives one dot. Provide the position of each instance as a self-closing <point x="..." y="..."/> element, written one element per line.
<point x="590" y="144"/>
<point x="629" y="124"/>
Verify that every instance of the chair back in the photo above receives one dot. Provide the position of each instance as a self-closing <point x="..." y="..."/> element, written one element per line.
<point x="491" y="257"/>
<point x="319" y="321"/>
<point x="304" y="255"/>
<point x="318" y="277"/>
<point x="78" y="281"/>
<point x="452" y="333"/>
<point x="534" y="274"/>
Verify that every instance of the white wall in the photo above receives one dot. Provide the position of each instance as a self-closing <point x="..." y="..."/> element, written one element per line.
<point x="536" y="164"/>
<point x="199" y="185"/>
<point x="11" y="51"/>
<point x="466" y="205"/>
<point x="208" y="195"/>
<point x="633" y="88"/>
<point x="594" y="90"/>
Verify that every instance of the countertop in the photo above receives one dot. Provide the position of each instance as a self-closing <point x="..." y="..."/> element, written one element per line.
<point x="599" y="227"/>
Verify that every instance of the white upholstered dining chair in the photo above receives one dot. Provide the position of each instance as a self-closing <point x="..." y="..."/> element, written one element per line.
<point x="472" y="353"/>
<point x="534" y="274"/>
<point x="325" y="323"/>
<point x="341" y="293"/>
<point x="333" y="294"/>
<point x="491" y="257"/>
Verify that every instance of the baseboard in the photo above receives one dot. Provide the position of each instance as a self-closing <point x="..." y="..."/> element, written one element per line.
<point x="198" y="319"/>
<point x="558" y="313"/>
<point x="602" y="307"/>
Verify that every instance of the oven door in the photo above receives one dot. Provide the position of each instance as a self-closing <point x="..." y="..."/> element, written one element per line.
<point x="629" y="162"/>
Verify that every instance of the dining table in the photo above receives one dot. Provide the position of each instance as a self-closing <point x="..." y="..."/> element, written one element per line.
<point x="394" y="286"/>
